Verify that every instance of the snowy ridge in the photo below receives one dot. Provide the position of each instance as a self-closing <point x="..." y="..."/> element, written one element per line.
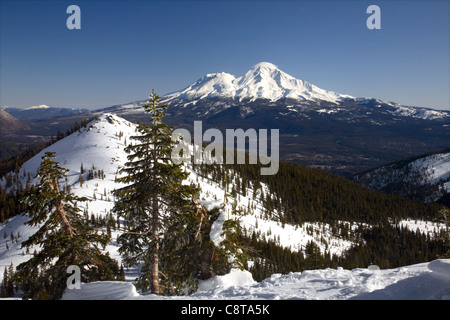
<point x="405" y="111"/>
<point x="420" y="113"/>
<point x="426" y="171"/>
<point x="263" y="81"/>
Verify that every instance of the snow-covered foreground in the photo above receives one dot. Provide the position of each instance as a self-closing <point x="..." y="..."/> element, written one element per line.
<point x="421" y="281"/>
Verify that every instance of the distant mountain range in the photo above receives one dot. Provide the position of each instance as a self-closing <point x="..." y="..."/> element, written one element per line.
<point x="318" y="128"/>
<point x="43" y="112"/>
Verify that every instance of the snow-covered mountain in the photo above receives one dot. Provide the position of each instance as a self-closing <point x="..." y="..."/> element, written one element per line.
<point x="263" y="81"/>
<point x="99" y="148"/>
<point x="320" y="128"/>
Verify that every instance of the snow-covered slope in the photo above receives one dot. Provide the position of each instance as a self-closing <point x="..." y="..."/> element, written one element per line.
<point x="427" y="175"/>
<point x="419" y="113"/>
<point x="9" y="124"/>
<point x="263" y="81"/>
<point x="99" y="148"/>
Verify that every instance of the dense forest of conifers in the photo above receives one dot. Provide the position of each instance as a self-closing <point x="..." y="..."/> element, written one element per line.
<point x="295" y="195"/>
<point x="298" y="194"/>
<point x="387" y="247"/>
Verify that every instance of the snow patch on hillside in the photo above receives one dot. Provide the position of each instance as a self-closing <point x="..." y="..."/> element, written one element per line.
<point x="433" y="229"/>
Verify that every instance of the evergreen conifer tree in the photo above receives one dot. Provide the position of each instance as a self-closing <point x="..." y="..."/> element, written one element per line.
<point x="445" y="214"/>
<point x="64" y="236"/>
<point x="4" y="282"/>
<point x="156" y="204"/>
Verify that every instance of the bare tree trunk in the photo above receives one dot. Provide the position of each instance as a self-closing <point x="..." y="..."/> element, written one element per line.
<point x="207" y="255"/>
<point x="67" y="226"/>
<point x="205" y="265"/>
<point x="62" y="213"/>
<point x="155" y="239"/>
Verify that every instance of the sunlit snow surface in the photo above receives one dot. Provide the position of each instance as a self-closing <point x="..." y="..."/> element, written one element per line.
<point x="421" y="281"/>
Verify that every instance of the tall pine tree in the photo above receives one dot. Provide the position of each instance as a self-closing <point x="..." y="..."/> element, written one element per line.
<point x="156" y="204"/>
<point x="64" y="237"/>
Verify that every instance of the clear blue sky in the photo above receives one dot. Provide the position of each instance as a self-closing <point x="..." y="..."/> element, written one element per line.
<point x="126" y="48"/>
